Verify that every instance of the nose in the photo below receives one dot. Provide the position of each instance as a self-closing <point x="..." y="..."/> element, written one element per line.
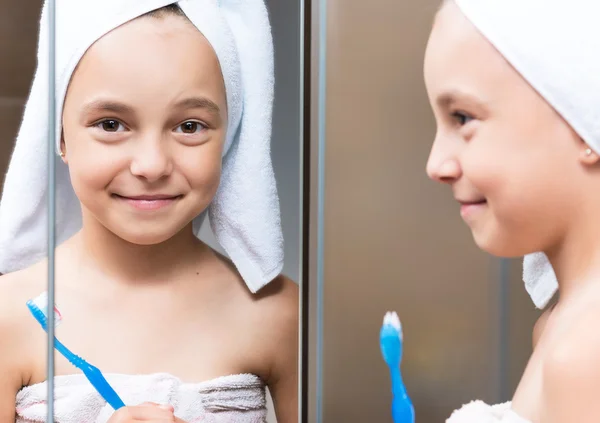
<point x="443" y="164"/>
<point x="151" y="159"/>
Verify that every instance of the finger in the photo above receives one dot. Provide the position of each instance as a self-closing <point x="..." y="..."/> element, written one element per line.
<point x="149" y="412"/>
<point x="167" y="407"/>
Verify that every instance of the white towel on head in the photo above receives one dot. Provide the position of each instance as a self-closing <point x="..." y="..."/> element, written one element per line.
<point x="244" y="214"/>
<point x="554" y="45"/>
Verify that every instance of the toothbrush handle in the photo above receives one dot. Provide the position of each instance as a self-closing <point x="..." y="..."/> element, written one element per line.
<point x="93" y="374"/>
<point x="402" y="407"/>
<point x="96" y="378"/>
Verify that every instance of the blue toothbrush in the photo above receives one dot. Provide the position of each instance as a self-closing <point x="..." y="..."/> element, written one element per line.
<point x="390" y="341"/>
<point x="93" y="374"/>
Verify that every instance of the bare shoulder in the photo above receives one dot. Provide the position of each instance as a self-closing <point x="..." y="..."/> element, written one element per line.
<point x="279" y="298"/>
<point x="279" y="324"/>
<point x="275" y="311"/>
<point x="266" y="327"/>
<point x="571" y="370"/>
<point x="16" y="323"/>
<point x="275" y="307"/>
<point x="272" y="311"/>
<point x="16" y="326"/>
<point x="273" y="315"/>
<point x="17" y="288"/>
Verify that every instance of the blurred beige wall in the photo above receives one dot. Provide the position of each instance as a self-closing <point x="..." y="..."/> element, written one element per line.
<point x="18" y="38"/>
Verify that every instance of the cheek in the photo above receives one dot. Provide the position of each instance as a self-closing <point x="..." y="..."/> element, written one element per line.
<point x="487" y="159"/>
<point x="202" y="168"/>
<point x="92" y="166"/>
<point x="523" y="171"/>
<point x="514" y="151"/>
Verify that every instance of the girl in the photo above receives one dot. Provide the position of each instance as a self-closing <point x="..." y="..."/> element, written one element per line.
<point x="166" y="113"/>
<point x="513" y="87"/>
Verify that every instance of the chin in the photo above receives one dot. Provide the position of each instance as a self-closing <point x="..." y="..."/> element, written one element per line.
<point x="148" y="234"/>
<point x="498" y="245"/>
<point x="145" y="239"/>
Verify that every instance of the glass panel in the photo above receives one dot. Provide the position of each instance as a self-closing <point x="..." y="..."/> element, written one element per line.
<point x="151" y="137"/>
<point x="383" y="237"/>
<point x="23" y="339"/>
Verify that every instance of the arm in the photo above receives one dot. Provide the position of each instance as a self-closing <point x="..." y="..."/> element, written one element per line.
<point x="11" y="354"/>
<point x="571" y="375"/>
<point x="283" y="379"/>
<point x="9" y="385"/>
<point x="284" y="389"/>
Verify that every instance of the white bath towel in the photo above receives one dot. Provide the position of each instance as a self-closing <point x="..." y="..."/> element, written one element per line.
<point x="480" y="412"/>
<point x="554" y="45"/>
<point x="245" y="212"/>
<point x="228" y="399"/>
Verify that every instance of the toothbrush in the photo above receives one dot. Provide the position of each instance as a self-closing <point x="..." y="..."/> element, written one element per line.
<point x="390" y="341"/>
<point x="39" y="308"/>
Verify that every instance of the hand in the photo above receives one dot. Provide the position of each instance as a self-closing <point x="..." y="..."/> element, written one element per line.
<point x="146" y="412"/>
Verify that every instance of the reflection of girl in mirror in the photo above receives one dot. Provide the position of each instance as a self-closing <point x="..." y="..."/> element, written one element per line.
<point x="514" y="87"/>
<point x="166" y="114"/>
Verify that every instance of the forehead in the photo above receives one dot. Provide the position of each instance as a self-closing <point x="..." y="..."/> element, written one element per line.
<point x="147" y="54"/>
<point x="458" y="57"/>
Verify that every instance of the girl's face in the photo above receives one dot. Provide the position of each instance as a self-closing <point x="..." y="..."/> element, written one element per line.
<point x="144" y="125"/>
<point x="512" y="162"/>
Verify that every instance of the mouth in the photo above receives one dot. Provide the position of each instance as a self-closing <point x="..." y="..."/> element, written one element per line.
<point x="148" y="202"/>
<point x="468" y="208"/>
<point x="472" y="202"/>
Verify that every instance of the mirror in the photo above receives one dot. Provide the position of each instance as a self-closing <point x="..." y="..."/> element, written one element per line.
<point x="166" y="299"/>
<point x="384" y="237"/>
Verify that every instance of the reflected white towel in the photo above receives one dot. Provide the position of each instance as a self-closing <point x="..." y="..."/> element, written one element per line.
<point x="554" y="45"/>
<point x="244" y="215"/>
<point x="228" y="399"/>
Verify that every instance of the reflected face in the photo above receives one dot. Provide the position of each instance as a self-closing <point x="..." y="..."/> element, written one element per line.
<point x="509" y="158"/>
<point x="144" y="125"/>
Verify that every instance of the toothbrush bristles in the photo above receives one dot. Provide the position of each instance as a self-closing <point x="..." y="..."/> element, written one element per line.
<point x="391" y="318"/>
<point x="41" y="302"/>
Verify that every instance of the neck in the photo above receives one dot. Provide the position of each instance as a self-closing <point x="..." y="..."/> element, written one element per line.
<point x="125" y="262"/>
<point x="576" y="259"/>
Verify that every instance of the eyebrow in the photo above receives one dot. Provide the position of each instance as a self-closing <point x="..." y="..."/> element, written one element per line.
<point x="199" y="103"/>
<point x="106" y="106"/>
<point x="122" y="108"/>
<point x="449" y="98"/>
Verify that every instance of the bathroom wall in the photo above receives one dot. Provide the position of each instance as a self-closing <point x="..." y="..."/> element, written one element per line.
<point x="18" y="37"/>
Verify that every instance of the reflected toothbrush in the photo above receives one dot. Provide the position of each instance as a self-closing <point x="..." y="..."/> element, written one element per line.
<point x="39" y="308"/>
<point x="390" y="341"/>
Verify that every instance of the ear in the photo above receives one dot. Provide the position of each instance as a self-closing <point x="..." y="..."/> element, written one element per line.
<point x="63" y="148"/>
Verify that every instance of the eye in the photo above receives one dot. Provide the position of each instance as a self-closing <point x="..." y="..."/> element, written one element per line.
<point x="190" y="127"/>
<point x="462" y="118"/>
<point x="110" y="125"/>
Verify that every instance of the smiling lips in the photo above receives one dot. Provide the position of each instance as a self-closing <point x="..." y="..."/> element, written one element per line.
<point x="148" y="202"/>
<point x="468" y="208"/>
